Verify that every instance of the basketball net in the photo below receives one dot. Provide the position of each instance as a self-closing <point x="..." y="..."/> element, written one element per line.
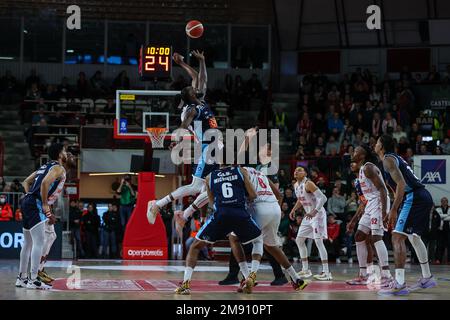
<point x="157" y="136"/>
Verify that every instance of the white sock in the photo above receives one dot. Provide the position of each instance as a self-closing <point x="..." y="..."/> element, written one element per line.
<point x="323" y="254"/>
<point x="188" y="274"/>
<point x="370" y="269"/>
<point x="361" y="253"/>
<point x="305" y="265"/>
<point x="363" y="272"/>
<point x="291" y="271"/>
<point x="303" y="251"/>
<point x="38" y="238"/>
<point x="244" y="269"/>
<point x="386" y="273"/>
<point x="382" y="253"/>
<point x="400" y="276"/>
<point x="164" y="201"/>
<point x="422" y="254"/>
<point x="255" y="265"/>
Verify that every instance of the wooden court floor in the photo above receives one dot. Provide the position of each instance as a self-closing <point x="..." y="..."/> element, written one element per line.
<point x="131" y="280"/>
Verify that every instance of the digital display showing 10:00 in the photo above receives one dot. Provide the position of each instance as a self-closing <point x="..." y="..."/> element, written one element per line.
<point x="155" y="62"/>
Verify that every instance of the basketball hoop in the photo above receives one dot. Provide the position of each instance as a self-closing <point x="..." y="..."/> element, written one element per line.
<point x="157" y="136"/>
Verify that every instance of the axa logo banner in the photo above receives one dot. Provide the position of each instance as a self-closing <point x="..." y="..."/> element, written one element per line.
<point x="434" y="171"/>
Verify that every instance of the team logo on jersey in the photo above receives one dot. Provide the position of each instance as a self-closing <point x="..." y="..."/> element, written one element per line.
<point x="433" y="171"/>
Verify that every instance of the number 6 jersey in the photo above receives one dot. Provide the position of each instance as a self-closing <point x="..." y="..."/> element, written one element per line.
<point x="227" y="186"/>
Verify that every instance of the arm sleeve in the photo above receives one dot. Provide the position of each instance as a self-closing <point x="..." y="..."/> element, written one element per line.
<point x="320" y="198"/>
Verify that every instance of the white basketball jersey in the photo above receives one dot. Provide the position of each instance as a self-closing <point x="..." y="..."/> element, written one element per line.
<point x="261" y="184"/>
<point x="368" y="189"/>
<point x="307" y="199"/>
<point x="52" y="198"/>
<point x="183" y="116"/>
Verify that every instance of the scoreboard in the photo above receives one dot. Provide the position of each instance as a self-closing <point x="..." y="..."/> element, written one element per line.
<point x="155" y="62"/>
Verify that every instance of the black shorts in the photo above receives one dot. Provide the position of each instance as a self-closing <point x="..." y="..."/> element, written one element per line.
<point x="227" y="220"/>
<point x="415" y="212"/>
<point x="32" y="212"/>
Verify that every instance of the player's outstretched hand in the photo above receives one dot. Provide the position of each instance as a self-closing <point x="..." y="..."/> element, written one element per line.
<point x="199" y="55"/>
<point x="178" y="58"/>
<point x="391" y="218"/>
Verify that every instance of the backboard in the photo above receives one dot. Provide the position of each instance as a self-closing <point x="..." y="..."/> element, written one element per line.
<point x="137" y="110"/>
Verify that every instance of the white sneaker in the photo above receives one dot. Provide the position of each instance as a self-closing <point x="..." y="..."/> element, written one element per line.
<point x="338" y="261"/>
<point x="324" y="276"/>
<point x="152" y="211"/>
<point x="38" y="285"/>
<point x="295" y="259"/>
<point x="304" y="273"/>
<point x="21" y="282"/>
<point x="350" y="261"/>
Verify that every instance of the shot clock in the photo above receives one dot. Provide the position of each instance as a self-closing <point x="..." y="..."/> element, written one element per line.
<point x="155" y="62"/>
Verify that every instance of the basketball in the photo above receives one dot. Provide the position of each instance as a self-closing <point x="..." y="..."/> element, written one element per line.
<point x="194" y="29"/>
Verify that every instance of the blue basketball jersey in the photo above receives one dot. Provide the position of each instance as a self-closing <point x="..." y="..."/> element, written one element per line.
<point x="41" y="173"/>
<point x="204" y="120"/>
<point x="412" y="182"/>
<point x="227" y="186"/>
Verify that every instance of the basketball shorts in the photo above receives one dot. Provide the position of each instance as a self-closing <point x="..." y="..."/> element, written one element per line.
<point x="32" y="212"/>
<point x="315" y="228"/>
<point x="226" y="220"/>
<point x="415" y="212"/>
<point x="372" y="219"/>
<point x="268" y="215"/>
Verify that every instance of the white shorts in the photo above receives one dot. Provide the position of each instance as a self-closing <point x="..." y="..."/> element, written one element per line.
<point x="49" y="228"/>
<point x="372" y="219"/>
<point x="315" y="228"/>
<point x="268" y="215"/>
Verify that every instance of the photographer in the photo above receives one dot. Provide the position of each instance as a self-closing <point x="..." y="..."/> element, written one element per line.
<point x="127" y="198"/>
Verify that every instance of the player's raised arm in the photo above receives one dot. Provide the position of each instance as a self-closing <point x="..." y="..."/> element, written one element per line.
<point x="248" y="185"/>
<point x="369" y="171"/>
<point x="202" y="75"/>
<point x="179" y="59"/>
<point x="390" y="166"/>
<point x="28" y="182"/>
<point x="321" y="199"/>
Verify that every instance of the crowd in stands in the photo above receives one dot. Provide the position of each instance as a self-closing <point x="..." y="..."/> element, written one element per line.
<point x="336" y="117"/>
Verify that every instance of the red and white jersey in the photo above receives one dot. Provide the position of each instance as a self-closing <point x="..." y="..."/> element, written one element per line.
<point x="261" y="184"/>
<point x="52" y="198"/>
<point x="368" y="189"/>
<point x="307" y="199"/>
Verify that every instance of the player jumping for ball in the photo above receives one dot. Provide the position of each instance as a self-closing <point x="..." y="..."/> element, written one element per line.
<point x="200" y="115"/>
<point x="415" y="204"/>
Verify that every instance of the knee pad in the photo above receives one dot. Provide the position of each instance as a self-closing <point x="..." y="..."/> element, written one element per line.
<point x="258" y="246"/>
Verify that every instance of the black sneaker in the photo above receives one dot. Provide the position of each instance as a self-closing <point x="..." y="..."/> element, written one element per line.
<point x="228" y="281"/>
<point x="279" y="281"/>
